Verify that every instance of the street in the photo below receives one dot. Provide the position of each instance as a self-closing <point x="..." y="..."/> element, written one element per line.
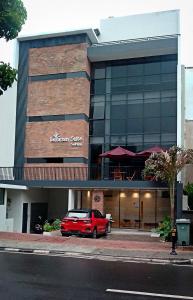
<point x="36" y="277"/>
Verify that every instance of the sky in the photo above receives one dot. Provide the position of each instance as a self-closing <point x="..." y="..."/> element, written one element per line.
<point x="46" y="16"/>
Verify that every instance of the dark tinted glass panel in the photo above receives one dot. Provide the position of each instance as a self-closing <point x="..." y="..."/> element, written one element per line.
<point x="99" y="87"/>
<point x="135" y="70"/>
<point x="118" y="126"/>
<point x="97" y="110"/>
<point x="168" y="77"/>
<point x="151" y="109"/>
<point x="119" y="97"/>
<point x="2" y="191"/>
<point x="119" y="71"/>
<point x="135" y="126"/>
<point x="97" y="128"/>
<point x="168" y="93"/>
<point x="135" y="80"/>
<point x="152" y="68"/>
<point x="151" y="95"/>
<point x="119" y="84"/>
<point x="118" y="111"/>
<point x="135" y="96"/>
<point x="118" y="140"/>
<point x="168" y="124"/>
<point x="168" y="67"/>
<point x="135" y="110"/>
<point x="152" y="79"/>
<point x="152" y="125"/>
<point x="98" y="98"/>
<point x="99" y="73"/>
<point x="152" y="138"/>
<point x="168" y="107"/>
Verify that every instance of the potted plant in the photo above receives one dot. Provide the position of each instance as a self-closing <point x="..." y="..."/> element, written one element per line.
<point x="164" y="229"/>
<point x="52" y="227"/>
<point x="188" y="190"/>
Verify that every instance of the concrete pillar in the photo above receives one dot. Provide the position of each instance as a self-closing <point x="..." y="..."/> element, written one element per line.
<point x="78" y="199"/>
<point x="70" y="199"/>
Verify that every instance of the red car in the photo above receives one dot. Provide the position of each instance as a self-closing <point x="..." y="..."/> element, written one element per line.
<point x="85" y="222"/>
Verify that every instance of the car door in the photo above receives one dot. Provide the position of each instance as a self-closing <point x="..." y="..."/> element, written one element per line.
<point x="101" y="225"/>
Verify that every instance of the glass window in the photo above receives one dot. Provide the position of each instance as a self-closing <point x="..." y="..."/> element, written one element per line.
<point x="119" y="71"/>
<point x="169" y="77"/>
<point x="135" y="70"/>
<point x="152" y="125"/>
<point x="135" y="96"/>
<point x="99" y="73"/>
<point x="96" y="140"/>
<point x="152" y="138"/>
<point x="152" y="79"/>
<point x="99" y="87"/>
<point x="2" y="192"/>
<point x="98" y="98"/>
<point x="97" y="128"/>
<point x="165" y="137"/>
<point x="118" y="110"/>
<point x="152" y="68"/>
<point x="135" y="125"/>
<point x="119" y="140"/>
<point x="168" y="124"/>
<point x="151" y="95"/>
<point x="168" y="107"/>
<point x="169" y="66"/>
<point x="118" y="126"/>
<point x="135" y="80"/>
<point x="152" y="109"/>
<point x="169" y="93"/>
<point x="119" y="97"/>
<point x="135" y="110"/>
<point x="77" y="214"/>
<point x="135" y="138"/>
<point x="97" y="110"/>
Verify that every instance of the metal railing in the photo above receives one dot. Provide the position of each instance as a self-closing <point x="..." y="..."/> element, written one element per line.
<point x="70" y="173"/>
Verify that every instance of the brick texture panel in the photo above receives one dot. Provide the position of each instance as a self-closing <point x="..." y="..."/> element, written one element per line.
<point x="56" y="97"/>
<point x="37" y="139"/>
<point x="98" y="204"/>
<point x="58" y="59"/>
<point x="56" y="172"/>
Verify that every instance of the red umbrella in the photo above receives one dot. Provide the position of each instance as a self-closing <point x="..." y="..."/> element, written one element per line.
<point x="149" y="151"/>
<point x="118" y="152"/>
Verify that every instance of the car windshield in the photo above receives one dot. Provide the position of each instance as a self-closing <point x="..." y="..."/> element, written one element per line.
<point x="77" y="214"/>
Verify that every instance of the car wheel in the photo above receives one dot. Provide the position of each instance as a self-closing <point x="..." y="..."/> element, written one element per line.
<point x="109" y="227"/>
<point x="106" y="231"/>
<point x="64" y="234"/>
<point x="94" y="233"/>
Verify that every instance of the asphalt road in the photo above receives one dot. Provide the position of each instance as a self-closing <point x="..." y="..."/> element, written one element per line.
<point x="28" y="276"/>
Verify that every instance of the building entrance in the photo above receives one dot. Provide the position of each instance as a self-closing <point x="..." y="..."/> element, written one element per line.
<point x="138" y="209"/>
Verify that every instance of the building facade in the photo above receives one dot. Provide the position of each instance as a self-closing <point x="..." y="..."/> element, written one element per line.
<point x="85" y="92"/>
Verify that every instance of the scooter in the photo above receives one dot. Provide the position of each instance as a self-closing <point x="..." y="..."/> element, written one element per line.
<point x="38" y="227"/>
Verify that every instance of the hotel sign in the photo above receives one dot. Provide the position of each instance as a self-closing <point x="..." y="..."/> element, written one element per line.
<point x="75" y="141"/>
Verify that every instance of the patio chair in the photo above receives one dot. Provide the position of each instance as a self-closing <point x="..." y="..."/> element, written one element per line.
<point x="117" y="175"/>
<point x="131" y="177"/>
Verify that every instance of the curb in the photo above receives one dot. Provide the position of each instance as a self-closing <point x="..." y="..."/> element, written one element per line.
<point x="99" y="256"/>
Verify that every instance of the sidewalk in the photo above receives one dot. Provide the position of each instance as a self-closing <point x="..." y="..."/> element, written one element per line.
<point x="125" y="246"/>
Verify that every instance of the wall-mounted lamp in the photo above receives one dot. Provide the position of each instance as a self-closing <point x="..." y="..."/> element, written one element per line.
<point x="147" y="195"/>
<point x="122" y="195"/>
<point x="88" y="194"/>
<point x="135" y="195"/>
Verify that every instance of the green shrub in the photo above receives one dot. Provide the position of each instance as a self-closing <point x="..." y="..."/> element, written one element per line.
<point x="55" y="225"/>
<point x="47" y="227"/>
<point x="164" y="228"/>
<point x="188" y="190"/>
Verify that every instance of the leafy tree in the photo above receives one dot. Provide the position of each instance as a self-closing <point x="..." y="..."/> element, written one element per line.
<point x="166" y="166"/>
<point x="12" y="16"/>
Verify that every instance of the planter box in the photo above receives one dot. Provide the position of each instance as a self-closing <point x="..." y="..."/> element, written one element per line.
<point x="52" y="233"/>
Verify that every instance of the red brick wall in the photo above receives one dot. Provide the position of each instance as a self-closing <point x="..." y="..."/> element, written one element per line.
<point x="37" y="139"/>
<point x="56" y="97"/>
<point x="58" y="59"/>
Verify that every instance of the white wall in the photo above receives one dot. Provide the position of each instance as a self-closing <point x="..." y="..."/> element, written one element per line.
<point x="16" y="208"/>
<point x="189" y="94"/>
<point x="9" y="53"/>
<point x="139" y="26"/>
<point x="3" y="213"/>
